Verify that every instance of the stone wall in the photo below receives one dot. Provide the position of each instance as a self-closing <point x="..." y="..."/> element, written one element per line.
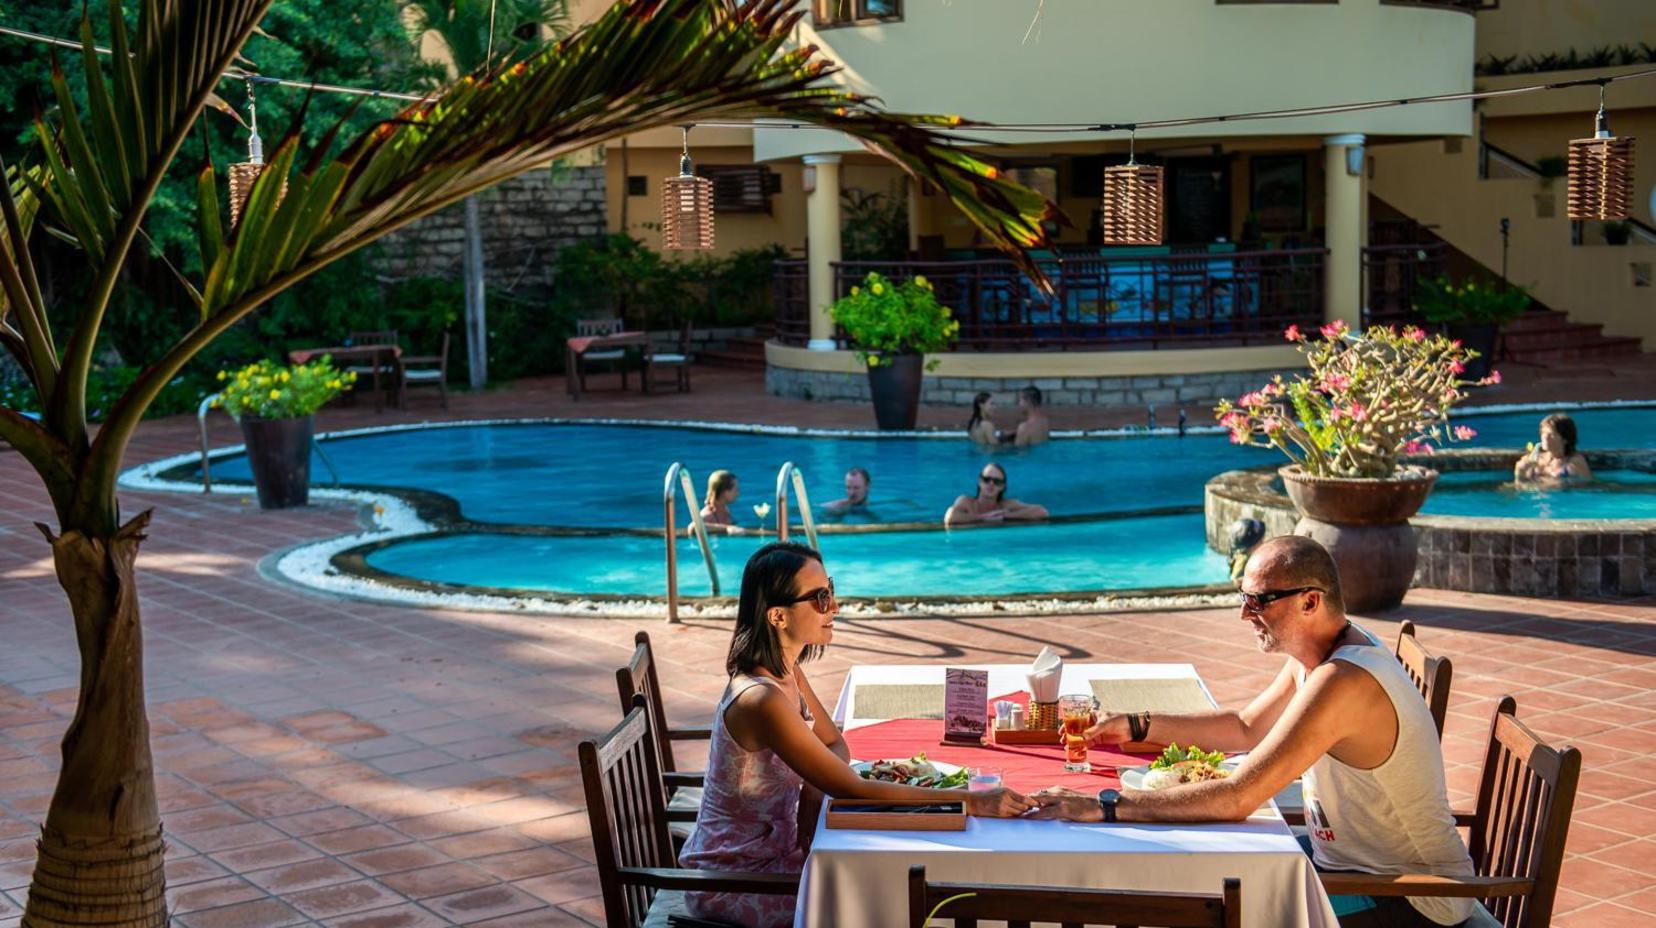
<point x="1169" y="391"/>
<point x="525" y="221"/>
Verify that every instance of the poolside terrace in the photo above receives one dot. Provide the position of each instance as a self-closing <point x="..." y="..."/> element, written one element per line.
<point x="325" y="762"/>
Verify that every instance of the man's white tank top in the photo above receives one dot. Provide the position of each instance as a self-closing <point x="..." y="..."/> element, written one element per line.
<point x="1394" y="818"/>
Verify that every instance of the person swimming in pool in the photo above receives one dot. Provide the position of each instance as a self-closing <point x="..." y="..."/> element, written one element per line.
<point x="991" y="503"/>
<point x="722" y="490"/>
<point x="980" y="428"/>
<point x="1555" y="461"/>
<point x="857" y="482"/>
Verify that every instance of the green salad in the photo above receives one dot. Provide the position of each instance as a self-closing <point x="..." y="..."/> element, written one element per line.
<point x="1177" y="755"/>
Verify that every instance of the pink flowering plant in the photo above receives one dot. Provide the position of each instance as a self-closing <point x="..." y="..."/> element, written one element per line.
<point x="1370" y="399"/>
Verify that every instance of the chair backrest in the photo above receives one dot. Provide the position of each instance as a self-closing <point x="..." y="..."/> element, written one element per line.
<point x="638" y="679"/>
<point x="1431" y="675"/>
<point x="1018" y="906"/>
<point x="590" y="327"/>
<point x="1525" y="798"/>
<point x="381" y="337"/>
<point x="443" y="355"/>
<point x="626" y="808"/>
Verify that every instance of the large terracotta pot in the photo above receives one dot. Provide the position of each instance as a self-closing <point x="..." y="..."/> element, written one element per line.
<point x="1364" y="524"/>
<point x="895" y="385"/>
<point x="278" y="451"/>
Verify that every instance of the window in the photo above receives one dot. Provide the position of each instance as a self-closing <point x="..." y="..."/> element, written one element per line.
<point x="825" y="13"/>
<point x="741" y="188"/>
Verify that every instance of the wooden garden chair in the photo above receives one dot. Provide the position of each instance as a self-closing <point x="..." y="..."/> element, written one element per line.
<point x="1019" y="906"/>
<point x="638" y="680"/>
<point x="1431" y="675"/>
<point x="1525" y="798"/>
<point x="585" y="328"/>
<point x="676" y="363"/>
<point x="425" y="370"/>
<point x="638" y="876"/>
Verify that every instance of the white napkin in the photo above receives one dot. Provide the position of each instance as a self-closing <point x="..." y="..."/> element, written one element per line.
<point x="1044" y="676"/>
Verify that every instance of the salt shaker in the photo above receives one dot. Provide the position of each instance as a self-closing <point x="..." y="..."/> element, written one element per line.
<point x="1017" y="722"/>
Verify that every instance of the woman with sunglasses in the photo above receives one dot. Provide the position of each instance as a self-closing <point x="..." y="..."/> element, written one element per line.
<point x="991" y="503"/>
<point x="775" y="750"/>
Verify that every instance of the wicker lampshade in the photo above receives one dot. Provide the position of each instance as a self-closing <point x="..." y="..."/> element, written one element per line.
<point x="1133" y="204"/>
<point x="687" y="212"/>
<point x="1601" y="178"/>
<point x="242" y="177"/>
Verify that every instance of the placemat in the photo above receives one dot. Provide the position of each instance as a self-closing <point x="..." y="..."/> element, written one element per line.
<point x="1179" y="694"/>
<point x="897" y="701"/>
<point x="1023" y="767"/>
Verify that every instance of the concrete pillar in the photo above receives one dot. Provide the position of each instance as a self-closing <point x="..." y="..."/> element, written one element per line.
<point x="1345" y="224"/>
<point x="822" y="231"/>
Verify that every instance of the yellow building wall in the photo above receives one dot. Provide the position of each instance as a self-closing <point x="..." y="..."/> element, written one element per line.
<point x="1539" y="27"/>
<point x="1535" y="137"/>
<point x="1057" y="363"/>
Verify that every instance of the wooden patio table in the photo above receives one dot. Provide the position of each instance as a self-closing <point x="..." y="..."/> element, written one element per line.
<point x="374" y="356"/>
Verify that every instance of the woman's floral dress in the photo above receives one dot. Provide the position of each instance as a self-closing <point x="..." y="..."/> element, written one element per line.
<point x="748" y="821"/>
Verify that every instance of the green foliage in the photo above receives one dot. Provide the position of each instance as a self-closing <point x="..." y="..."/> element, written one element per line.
<point x="463" y="26"/>
<point x="1604" y="56"/>
<point x="1442" y="301"/>
<point x="875" y="225"/>
<point x="884" y="319"/>
<point x="265" y="390"/>
<point x="104" y="386"/>
<point x="618" y="276"/>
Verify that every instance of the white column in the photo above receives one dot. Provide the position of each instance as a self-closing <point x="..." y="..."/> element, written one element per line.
<point x="1345" y="227"/>
<point x="822" y="229"/>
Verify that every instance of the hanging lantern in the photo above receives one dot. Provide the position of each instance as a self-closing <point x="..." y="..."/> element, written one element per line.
<point x="686" y="207"/>
<point x="244" y="174"/>
<point x="1132" y="205"/>
<point x="1601" y="173"/>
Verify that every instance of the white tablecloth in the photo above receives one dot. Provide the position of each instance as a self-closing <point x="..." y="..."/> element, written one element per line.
<point x="859" y="879"/>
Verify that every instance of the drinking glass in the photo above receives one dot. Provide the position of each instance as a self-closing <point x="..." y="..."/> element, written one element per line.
<point x="982" y="779"/>
<point x="1077" y="713"/>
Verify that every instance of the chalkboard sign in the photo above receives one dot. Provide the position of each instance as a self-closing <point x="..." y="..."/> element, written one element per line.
<point x="965" y="706"/>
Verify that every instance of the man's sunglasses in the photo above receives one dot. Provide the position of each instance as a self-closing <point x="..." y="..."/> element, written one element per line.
<point x="997" y="481"/>
<point x="821" y="598"/>
<point x="1255" y="602"/>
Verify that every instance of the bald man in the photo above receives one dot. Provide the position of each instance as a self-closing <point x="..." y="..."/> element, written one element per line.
<point x="1343" y="714"/>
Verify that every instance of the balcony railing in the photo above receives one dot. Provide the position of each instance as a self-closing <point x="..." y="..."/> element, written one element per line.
<point x="1099" y="303"/>
<point x="1390" y="275"/>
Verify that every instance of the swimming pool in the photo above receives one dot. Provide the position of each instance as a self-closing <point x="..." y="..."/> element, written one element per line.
<point x="1611" y="494"/>
<point x="563" y="508"/>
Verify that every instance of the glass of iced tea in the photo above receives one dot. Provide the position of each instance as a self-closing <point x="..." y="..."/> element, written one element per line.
<point x="1078" y="714"/>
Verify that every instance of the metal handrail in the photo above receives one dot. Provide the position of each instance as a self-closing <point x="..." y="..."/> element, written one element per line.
<point x="201" y="423"/>
<point x="678" y="477"/>
<point x="798" y="479"/>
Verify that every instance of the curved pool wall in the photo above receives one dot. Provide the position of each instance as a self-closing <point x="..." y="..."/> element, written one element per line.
<point x="1536" y="554"/>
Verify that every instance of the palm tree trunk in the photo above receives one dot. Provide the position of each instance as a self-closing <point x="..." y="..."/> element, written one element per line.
<point x="100" y="851"/>
<point x="477" y="330"/>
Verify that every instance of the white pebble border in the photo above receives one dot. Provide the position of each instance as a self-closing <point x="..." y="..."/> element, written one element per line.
<point x="388" y="517"/>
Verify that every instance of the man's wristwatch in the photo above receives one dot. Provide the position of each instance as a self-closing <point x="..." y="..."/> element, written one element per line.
<point x="1107" y="799"/>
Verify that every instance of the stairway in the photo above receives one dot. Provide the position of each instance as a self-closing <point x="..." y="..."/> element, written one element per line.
<point x="1545" y="337"/>
<point x="746" y="354"/>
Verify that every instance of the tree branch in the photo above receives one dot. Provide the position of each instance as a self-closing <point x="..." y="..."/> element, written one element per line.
<point x="49" y="457"/>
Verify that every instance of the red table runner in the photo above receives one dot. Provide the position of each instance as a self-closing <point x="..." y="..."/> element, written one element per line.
<point x="1023" y="767"/>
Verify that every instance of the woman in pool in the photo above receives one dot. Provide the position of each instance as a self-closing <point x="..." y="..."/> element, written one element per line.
<point x="980" y="428"/>
<point x="991" y="503"/>
<point x="722" y="490"/>
<point x="775" y="750"/>
<point x="1555" y="460"/>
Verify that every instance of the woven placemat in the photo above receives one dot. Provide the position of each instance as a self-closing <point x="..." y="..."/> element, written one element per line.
<point x="1180" y="694"/>
<point x="897" y="701"/>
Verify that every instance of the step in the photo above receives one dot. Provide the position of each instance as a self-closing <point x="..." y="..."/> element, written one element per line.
<point x="1559" y="338"/>
<point x="1602" y="348"/>
<point x="1538" y="319"/>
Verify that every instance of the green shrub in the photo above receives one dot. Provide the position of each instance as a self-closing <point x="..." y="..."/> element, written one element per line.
<point x="1442" y="301"/>
<point x="884" y="319"/>
<point x="266" y="390"/>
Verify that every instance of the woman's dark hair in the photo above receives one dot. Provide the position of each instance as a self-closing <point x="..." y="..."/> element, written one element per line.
<point x="767" y="580"/>
<point x="1005" y="482"/>
<point x="1246" y="533"/>
<point x="1566" y="429"/>
<point x="977" y="410"/>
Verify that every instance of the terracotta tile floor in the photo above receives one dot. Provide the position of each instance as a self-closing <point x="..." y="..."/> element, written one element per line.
<point x="323" y="762"/>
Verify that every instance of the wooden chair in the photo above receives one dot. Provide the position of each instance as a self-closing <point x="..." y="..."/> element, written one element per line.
<point x="1525" y="798"/>
<point x="1431" y="675"/>
<point x="638" y="680"/>
<point x="637" y="872"/>
<point x="677" y="362"/>
<point x="428" y="369"/>
<point x="1018" y="906"/>
<point x="384" y="364"/>
<point x="586" y="328"/>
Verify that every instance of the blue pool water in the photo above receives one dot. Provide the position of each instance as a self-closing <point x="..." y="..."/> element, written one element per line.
<point x="610" y="477"/>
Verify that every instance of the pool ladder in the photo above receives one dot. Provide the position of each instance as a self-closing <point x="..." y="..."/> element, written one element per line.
<point x="203" y="409"/>
<point x="797" y="477"/>
<point x="677" y="478"/>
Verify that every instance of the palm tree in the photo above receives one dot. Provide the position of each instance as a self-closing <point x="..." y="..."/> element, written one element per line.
<point x="471" y="31"/>
<point x="644" y="63"/>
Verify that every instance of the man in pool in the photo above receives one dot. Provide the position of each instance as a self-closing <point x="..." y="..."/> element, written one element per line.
<point x="1034" y="428"/>
<point x="1343" y="713"/>
<point x="857" y="482"/>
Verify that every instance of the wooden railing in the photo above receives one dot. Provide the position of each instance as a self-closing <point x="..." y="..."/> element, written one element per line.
<point x="1098" y="303"/>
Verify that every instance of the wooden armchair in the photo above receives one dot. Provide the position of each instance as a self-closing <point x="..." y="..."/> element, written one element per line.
<point x="1019" y="906"/>
<point x="586" y="328"/>
<point x="1430" y="674"/>
<point x="429" y="370"/>
<point x="638" y="681"/>
<point x="1525" y="799"/>
<point x="676" y="362"/>
<point x="637" y="872"/>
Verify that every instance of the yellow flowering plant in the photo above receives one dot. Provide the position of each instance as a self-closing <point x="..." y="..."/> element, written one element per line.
<point x="264" y="390"/>
<point x="885" y="319"/>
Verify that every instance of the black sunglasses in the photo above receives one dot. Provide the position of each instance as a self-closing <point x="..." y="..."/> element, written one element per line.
<point x="821" y="599"/>
<point x="1255" y="602"/>
<point x="997" y="481"/>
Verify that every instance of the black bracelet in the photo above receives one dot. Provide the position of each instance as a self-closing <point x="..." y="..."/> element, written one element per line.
<point x="1137" y="725"/>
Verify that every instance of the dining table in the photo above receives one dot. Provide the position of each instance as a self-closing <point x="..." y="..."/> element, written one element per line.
<point x="578" y="345"/>
<point x="857" y="878"/>
<point x="371" y="357"/>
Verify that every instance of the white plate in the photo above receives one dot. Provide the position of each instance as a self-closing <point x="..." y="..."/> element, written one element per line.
<point x="943" y="767"/>
<point x="1133" y="777"/>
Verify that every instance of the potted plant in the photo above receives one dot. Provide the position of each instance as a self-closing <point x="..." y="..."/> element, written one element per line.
<point x="893" y="327"/>
<point x="276" y="408"/>
<point x="1347" y="426"/>
<point x="1471" y="312"/>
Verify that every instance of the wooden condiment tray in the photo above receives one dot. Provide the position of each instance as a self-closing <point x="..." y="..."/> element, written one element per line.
<point x="1049" y="736"/>
<point x="897" y="821"/>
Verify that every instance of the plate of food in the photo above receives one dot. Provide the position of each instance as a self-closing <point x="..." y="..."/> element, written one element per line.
<point x="1178" y="766"/>
<point x="914" y="771"/>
